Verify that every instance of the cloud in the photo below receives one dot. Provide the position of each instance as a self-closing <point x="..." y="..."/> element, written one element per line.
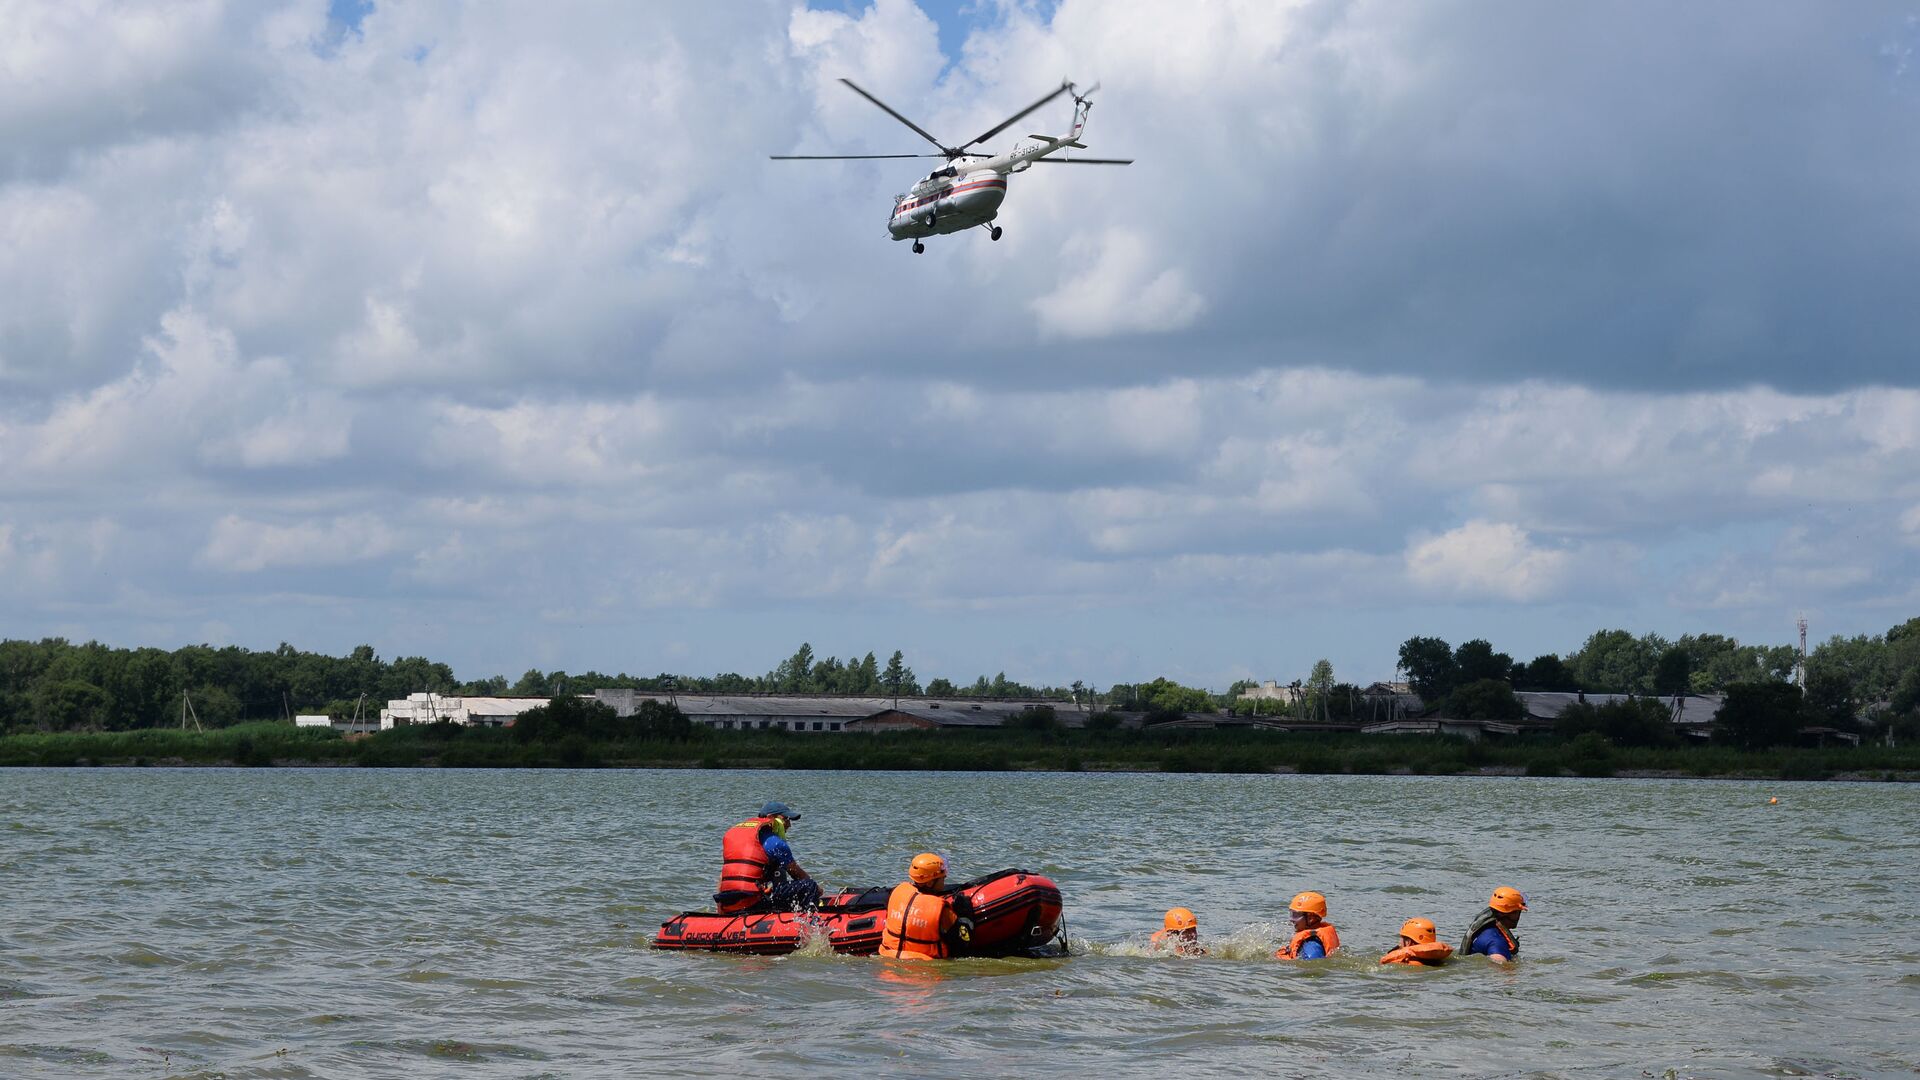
<point x="1120" y="291"/>
<point x="1519" y="315"/>
<point x="239" y="545"/>
<point x="1486" y="559"/>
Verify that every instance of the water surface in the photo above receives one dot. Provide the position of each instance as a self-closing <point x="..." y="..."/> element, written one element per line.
<point x="336" y="923"/>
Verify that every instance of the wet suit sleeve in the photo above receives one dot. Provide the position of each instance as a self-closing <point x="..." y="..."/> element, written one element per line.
<point x="778" y="851"/>
<point x="1491" y="942"/>
<point x="1311" y="949"/>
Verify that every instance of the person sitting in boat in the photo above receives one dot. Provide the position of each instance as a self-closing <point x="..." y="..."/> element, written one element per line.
<point x="921" y="921"/>
<point x="1491" y="934"/>
<point x="1419" y="944"/>
<point x="757" y="868"/>
<point x="1181" y="933"/>
<point x="1314" y="938"/>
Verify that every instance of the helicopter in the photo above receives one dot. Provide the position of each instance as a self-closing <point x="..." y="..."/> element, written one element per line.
<point x="968" y="191"/>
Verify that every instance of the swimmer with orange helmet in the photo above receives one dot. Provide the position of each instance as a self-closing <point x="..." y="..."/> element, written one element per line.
<point x="1314" y="938"/>
<point x="1419" y="944"/>
<point x="1491" y="934"/>
<point x="1181" y="934"/>
<point x="921" y="923"/>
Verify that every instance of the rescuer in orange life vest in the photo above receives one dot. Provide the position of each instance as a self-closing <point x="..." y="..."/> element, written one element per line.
<point x="1181" y="934"/>
<point x="1419" y="945"/>
<point x="1492" y="931"/>
<point x="1314" y="938"/>
<point x="757" y="869"/>
<point x="921" y="922"/>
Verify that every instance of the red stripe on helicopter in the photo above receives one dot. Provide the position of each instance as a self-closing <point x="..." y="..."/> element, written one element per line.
<point x="960" y="189"/>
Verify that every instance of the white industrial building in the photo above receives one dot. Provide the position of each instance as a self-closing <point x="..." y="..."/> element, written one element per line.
<point x="825" y="714"/>
<point x="467" y="711"/>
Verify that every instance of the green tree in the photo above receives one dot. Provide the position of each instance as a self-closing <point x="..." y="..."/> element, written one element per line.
<point x="1616" y="662"/>
<point x="1429" y="665"/>
<point x="795" y="673"/>
<point x="1039" y="718"/>
<point x="1475" y="660"/>
<point x="1545" y="673"/>
<point x="1830" y="699"/>
<point x="71" y="705"/>
<point x="1319" y="688"/>
<point x="898" y="677"/>
<point x="941" y="688"/>
<point x="1673" y="672"/>
<point x="569" y="715"/>
<point x="1166" y="696"/>
<point x="1484" y="699"/>
<point x="1627" y="722"/>
<point x="659" y="720"/>
<point x="1760" y="714"/>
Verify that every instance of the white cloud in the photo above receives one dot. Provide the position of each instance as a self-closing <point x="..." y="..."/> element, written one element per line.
<point x="239" y="545"/>
<point x="1120" y="288"/>
<point x="1486" y="559"/>
<point x="509" y="305"/>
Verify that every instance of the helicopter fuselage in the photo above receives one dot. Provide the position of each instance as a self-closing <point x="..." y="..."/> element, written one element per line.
<point x="946" y="204"/>
<point x="967" y="191"/>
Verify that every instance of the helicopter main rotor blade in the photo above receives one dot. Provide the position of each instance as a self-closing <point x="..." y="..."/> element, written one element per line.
<point x="843" y="157"/>
<point x="888" y="109"/>
<point x="1008" y="122"/>
<point x="1080" y="161"/>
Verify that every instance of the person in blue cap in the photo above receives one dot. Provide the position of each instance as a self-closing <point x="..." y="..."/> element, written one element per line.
<point x="757" y="869"/>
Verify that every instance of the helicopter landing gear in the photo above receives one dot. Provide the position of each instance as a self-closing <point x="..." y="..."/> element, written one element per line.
<point x="993" y="233"/>
<point x="918" y="247"/>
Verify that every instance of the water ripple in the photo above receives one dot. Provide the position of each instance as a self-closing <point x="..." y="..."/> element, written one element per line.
<point x="291" y="923"/>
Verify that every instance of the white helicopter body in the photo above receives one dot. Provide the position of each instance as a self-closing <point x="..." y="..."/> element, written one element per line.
<point x="967" y="193"/>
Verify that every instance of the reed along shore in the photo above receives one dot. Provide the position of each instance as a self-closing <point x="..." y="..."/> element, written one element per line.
<point x="1176" y="751"/>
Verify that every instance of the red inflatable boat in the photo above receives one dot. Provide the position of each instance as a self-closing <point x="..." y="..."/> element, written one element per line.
<point x="1014" y="913"/>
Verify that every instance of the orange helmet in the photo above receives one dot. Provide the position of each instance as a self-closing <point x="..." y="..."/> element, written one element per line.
<point x="1310" y="902"/>
<point x="1181" y="919"/>
<point x="1419" y="931"/>
<point x="927" y="868"/>
<point x="1507" y="901"/>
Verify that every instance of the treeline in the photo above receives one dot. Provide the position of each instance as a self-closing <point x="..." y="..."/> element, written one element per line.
<point x="1865" y="684"/>
<point x="56" y="685"/>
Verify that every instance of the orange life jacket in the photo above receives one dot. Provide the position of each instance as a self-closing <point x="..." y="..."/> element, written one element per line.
<point x="1329" y="940"/>
<point x="1427" y="952"/>
<point x="745" y="870"/>
<point x="917" y="924"/>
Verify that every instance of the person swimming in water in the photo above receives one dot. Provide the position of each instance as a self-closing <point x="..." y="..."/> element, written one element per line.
<point x="1491" y="934"/>
<point x="1314" y="938"/>
<point x="1181" y="934"/>
<point x="1419" y="944"/>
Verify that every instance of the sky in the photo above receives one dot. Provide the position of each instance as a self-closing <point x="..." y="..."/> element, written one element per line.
<point x="490" y="333"/>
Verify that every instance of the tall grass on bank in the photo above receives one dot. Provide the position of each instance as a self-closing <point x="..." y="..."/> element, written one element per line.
<point x="1181" y="750"/>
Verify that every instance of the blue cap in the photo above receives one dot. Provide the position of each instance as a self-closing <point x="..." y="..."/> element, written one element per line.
<point x="778" y="809"/>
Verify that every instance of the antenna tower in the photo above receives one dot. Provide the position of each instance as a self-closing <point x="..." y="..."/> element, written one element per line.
<point x="1800" y="665"/>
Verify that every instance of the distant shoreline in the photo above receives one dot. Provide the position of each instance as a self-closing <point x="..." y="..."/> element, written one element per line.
<point x="1872" y="776"/>
<point x="267" y="745"/>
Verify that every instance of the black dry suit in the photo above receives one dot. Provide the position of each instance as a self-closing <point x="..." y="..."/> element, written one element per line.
<point x="1487" y="917"/>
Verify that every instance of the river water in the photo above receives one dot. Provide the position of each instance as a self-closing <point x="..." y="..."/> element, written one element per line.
<point x="345" y="923"/>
